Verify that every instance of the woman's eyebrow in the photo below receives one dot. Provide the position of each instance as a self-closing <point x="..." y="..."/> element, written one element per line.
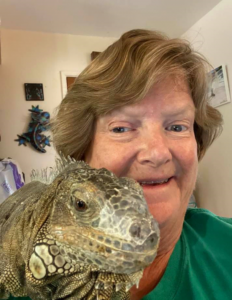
<point x="124" y="113"/>
<point x="187" y="108"/>
<point x="128" y="113"/>
<point x="180" y="111"/>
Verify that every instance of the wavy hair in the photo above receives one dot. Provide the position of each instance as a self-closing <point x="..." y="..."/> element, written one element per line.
<point x="123" y="74"/>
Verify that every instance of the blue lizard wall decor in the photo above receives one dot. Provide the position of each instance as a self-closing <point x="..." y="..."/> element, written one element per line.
<point x="38" y="124"/>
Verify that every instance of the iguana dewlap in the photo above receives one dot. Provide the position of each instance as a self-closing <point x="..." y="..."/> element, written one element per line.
<point x="81" y="233"/>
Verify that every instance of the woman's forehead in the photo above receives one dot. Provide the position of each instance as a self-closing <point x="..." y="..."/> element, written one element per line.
<point x="168" y="97"/>
<point x="171" y="84"/>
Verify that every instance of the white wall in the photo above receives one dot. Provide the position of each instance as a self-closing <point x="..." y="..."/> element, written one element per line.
<point x="32" y="57"/>
<point x="212" y="36"/>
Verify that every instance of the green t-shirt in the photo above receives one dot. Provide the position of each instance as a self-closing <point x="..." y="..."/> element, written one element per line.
<point x="200" y="267"/>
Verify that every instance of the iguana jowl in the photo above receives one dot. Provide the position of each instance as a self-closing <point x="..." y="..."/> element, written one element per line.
<point x="82" y="233"/>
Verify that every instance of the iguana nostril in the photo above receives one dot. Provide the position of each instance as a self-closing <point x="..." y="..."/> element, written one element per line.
<point x="135" y="230"/>
<point x="151" y="241"/>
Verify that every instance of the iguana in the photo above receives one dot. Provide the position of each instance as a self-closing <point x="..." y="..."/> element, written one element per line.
<point x="79" y="233"/>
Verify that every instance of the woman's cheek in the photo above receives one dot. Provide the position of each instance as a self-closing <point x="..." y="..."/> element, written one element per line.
<point x="186" y="160"/>
<point x="190" y="165"/>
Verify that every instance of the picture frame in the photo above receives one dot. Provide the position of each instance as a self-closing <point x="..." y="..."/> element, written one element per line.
<point x="34" y="91"/>
<point x="68" y="77"/>
<point x="64" y="77"/>
<point x="94" y="54"/>
<point x="218" y="89"/>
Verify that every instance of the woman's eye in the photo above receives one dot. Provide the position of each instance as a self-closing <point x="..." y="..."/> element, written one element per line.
<point x="177" y="128"/>
<point x="120" y="129"/>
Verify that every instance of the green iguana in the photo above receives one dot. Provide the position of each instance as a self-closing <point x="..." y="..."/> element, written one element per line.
<point x="79" y="233"/>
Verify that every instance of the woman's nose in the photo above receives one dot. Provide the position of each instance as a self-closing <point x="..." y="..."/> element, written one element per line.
<point x="154" y="149"/>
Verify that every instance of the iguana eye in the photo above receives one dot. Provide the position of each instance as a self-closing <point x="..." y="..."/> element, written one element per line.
<point x="80" y="205"/>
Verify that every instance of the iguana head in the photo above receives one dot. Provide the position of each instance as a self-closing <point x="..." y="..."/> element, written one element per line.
<point x="105" y="220"/>
<point x="98" y="220"/>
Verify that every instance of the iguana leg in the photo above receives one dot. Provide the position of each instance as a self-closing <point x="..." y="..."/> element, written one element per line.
<point x="76" y="285"/>
<point x="109" y="286"/>
<point x="38" y="293"/>
<point x="10" y="284"/>
<point x="3" y="293"/>
<point x="121" y="295"/>
<point x="108" y="294"/>
<point x="101" y="294"/>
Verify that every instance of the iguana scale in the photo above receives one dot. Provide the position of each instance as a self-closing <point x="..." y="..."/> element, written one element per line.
<point x="79" y="233"/>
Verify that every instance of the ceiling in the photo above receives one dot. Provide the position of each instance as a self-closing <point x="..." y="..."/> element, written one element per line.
<point x="109" y="18"/>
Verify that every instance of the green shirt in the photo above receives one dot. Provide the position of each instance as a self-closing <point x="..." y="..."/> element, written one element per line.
<point x="200" y="267"/>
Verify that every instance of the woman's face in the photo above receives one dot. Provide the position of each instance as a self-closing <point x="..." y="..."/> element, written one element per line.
<point x="154" y="143"/>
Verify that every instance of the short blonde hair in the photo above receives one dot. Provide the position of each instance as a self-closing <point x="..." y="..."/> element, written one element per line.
<point x="123" y="74"/>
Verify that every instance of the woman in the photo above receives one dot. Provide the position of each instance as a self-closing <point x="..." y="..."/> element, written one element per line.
<point x="140" y="110"/>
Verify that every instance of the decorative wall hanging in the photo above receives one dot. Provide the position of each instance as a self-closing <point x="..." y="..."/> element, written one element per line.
<point x="218" y="89"/>
<point x="38" y="124"/>
<point x="34" y="91"/>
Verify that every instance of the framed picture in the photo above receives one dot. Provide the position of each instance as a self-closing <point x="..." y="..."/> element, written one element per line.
<point x="34" y="91"/>
<point x="218" y="89"/>
<point x="94" y="54"/>
<point x="67" y="79"/>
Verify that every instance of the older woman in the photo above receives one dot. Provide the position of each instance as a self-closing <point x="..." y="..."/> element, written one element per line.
<point x="140" y="110"/>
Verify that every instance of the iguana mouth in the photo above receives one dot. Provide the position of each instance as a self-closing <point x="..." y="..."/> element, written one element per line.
<point x="126" y="258"/>
<point x="96" y="239"/>
<point x="52" y="258"/>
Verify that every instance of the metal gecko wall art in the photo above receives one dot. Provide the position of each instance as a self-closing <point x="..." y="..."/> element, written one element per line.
<point x="38" y="124"/>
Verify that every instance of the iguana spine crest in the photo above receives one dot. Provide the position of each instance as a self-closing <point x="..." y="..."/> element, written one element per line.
<point x="48" y="175"/>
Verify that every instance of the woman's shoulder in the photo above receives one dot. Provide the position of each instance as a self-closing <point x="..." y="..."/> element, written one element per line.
<point x="194" y="214"/>
<point x="203" y="223"/>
